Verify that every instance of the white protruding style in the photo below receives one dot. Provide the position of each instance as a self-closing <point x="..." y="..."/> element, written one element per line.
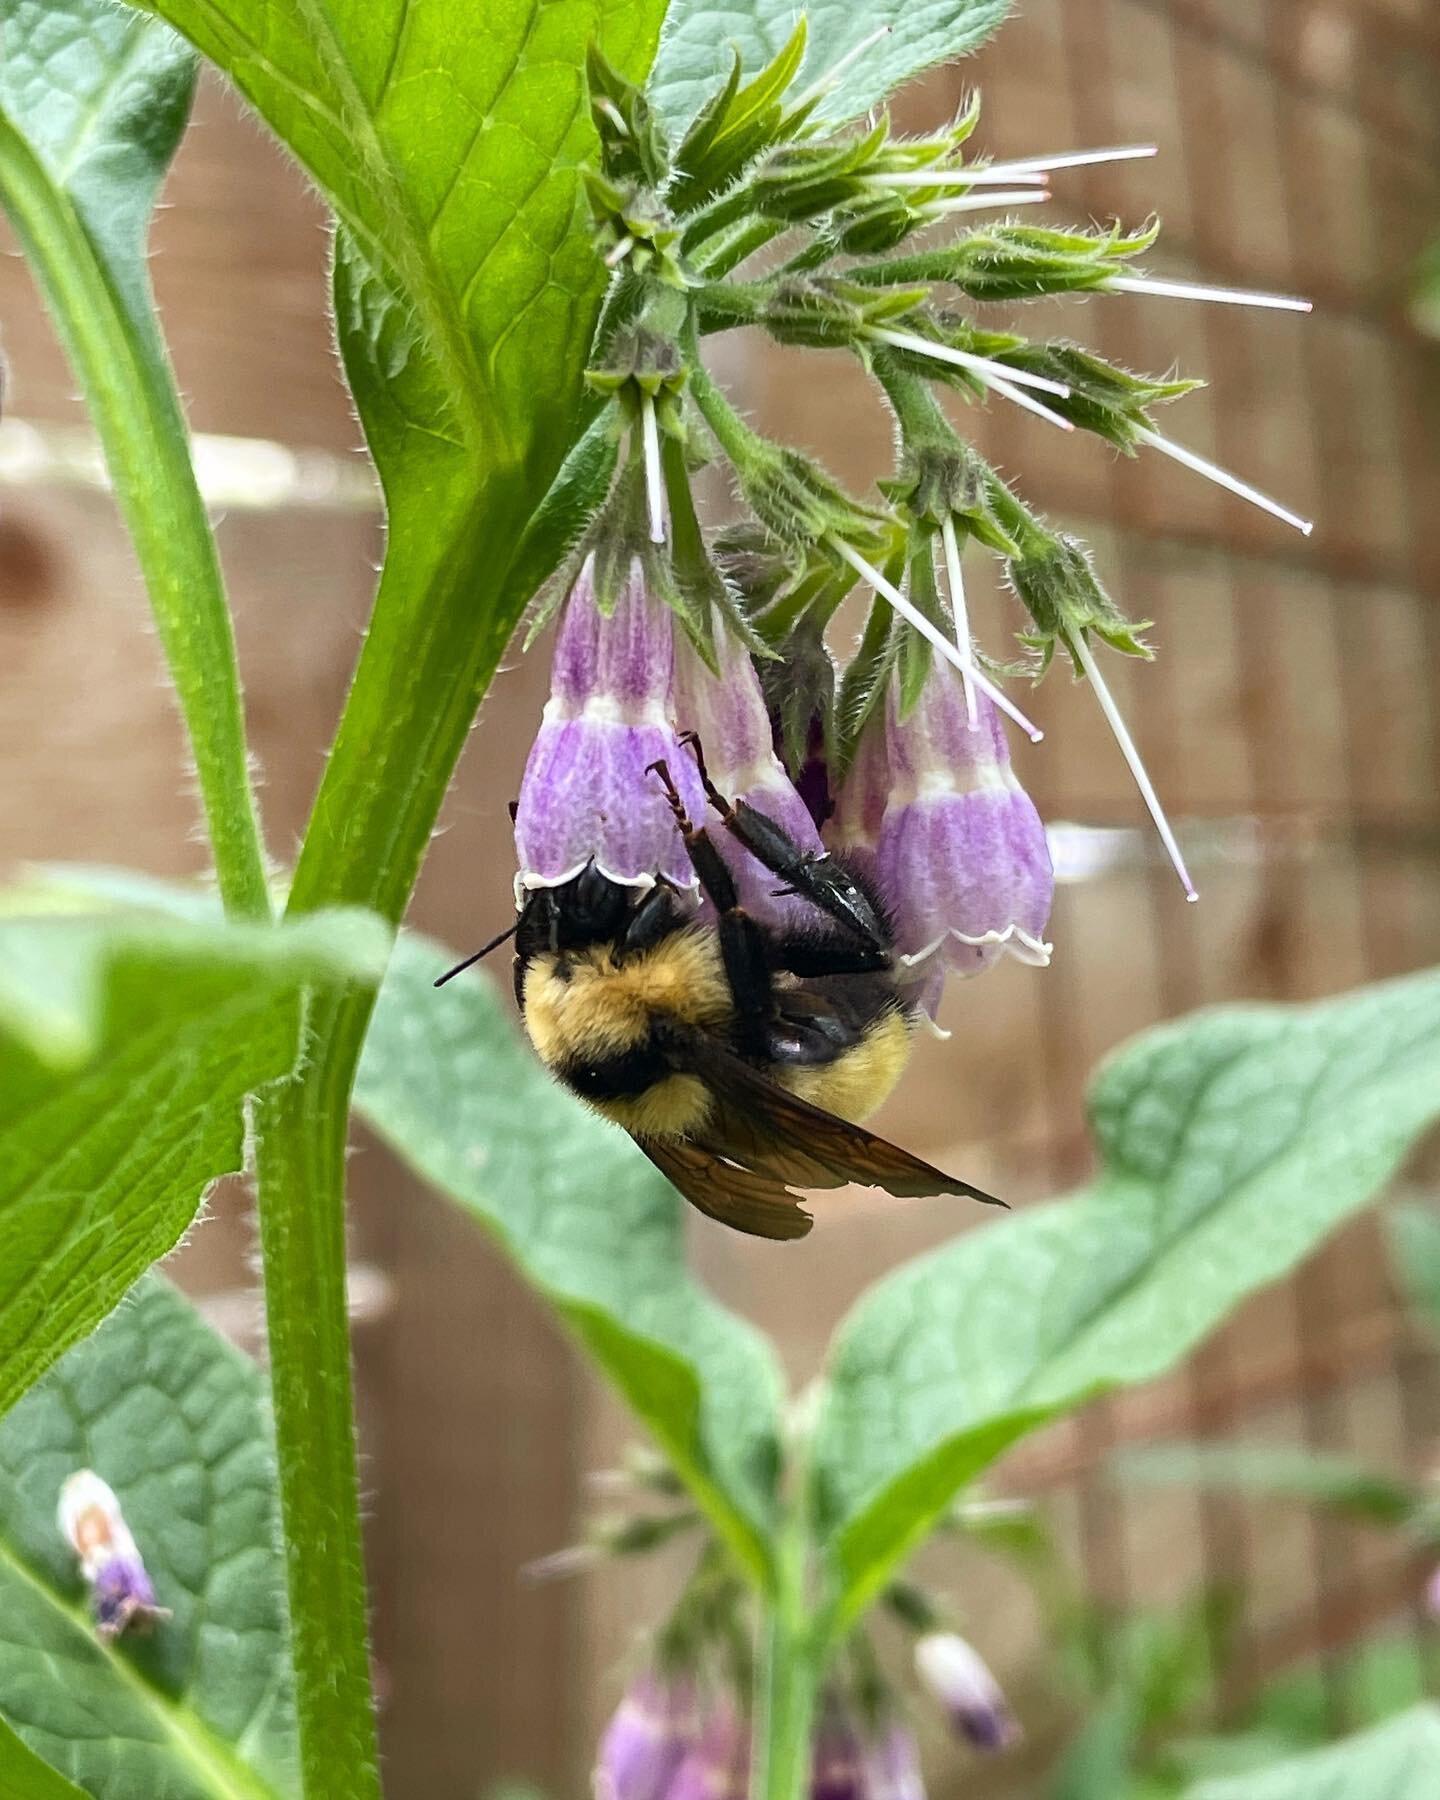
<point x="1018" y="397"/>
<point x="961" y="614"/>
<point x="1024" y="167"/>
<point x="617" y="254"/>
<point x="1132" y="757"/>
<point x="1223" y="478"/>
<point x="654" y="479"/>
<point x="913" y="616"/>
<point x="985" y="202"/>
<point x="983" y="366"/>
<point x="1195" y="290"/>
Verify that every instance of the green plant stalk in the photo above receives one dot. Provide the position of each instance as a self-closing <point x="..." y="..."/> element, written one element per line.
<point x="431" y="652"/>
<point x="131" y="396"/>
<point x="787" y="1685"/>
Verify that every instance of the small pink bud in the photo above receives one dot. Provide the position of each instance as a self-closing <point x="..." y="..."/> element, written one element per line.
<point x="959" y="1678"/>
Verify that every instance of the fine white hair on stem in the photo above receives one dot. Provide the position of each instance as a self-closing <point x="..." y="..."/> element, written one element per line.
<point x="1223" y="478"/>
<point x="984" y="366"/>
<point x="913" y="616"/>
<point x="961" y="614"/>
<point x="1123" y="738"/>
<point x="1195" y="290"/>
<point x="654" y="481"/>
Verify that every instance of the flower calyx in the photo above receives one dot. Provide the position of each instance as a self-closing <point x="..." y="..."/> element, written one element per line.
<point x="1055" y="578"/>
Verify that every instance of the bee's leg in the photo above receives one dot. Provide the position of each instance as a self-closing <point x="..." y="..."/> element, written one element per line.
<point x="821" y="880"/>
<point x="653" y="920"/>
<point x="742" y="942"/>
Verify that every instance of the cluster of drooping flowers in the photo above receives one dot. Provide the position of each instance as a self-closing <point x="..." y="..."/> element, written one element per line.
<point x="683" y="1729"/>
<point x="900" y="759"/>
<point x="121" y="1593"/>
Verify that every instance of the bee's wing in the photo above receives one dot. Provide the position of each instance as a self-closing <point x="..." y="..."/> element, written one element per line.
<point x="765" y="1127"/>
<point x="747" y="1200"/>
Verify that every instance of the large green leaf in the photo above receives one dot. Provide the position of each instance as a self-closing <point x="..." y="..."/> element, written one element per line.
<point x="1399" y="1760"/>
<point x="701" y="40"/>
<point x="92" y="104"/>
<point x="175" y="1421"/>
<point x="586" y="1219"/>
<point x="1232" y="1143"/>
<point x="129" y="1047"/>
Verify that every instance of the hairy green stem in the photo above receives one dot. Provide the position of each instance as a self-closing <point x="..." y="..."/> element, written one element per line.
<point x="122" y="367"/>
<point x="440" y="624"/>
<point x="788" y="1682"/>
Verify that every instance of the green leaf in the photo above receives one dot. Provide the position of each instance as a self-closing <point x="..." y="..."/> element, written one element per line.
<point x="1394" y="1761"/>
<point x="23" y="1776"/>
<point x="1281" y="1471"/>
<point x="174" y="1420"/>
<point x="92" y="104"/>
<point x="446" y="1079"/>
<point x="1233" y="1142"/>
<point x="1413" y="1231"/>
<point x="700" y="44"/>
<point x="129" y="1046"/>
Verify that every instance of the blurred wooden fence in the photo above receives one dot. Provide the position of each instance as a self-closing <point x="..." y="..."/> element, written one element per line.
<point x="1290" y="721"/>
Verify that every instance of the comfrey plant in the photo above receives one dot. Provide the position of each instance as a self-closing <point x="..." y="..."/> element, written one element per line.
<point x="543" y="210"/>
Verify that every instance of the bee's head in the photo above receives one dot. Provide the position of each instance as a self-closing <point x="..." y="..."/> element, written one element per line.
<point x="588" y="909"/>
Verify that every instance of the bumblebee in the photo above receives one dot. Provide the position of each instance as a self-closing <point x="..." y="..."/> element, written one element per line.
<point x="740" y="1058"/>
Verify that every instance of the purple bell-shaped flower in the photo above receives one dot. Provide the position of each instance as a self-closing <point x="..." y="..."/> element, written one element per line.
<point x="648" y="1740"/>
<point x="718" y="1766"/>
<point x="837" y="1768"/>
<point x="892" y="1764"/>
<point x="732" y="722"/>
<point x="961" y="860"/>
<point x="586" y="795"/>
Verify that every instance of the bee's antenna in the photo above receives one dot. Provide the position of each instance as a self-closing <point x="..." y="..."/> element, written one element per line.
<point x="494" y="944"/>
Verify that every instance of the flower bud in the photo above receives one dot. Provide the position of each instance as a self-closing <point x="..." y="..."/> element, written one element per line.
<point x="718" y="1767"/>
<point x="892" y="1764"/>
<point x="732" y="722"/>
<point x="647" y="1741"/>
<point x="962" y="859"/>
<point x="957" y="1675"/>
<point x="836" y="1771"/>
<point x="120" y="1590"/>
<point x="586" y="795"/>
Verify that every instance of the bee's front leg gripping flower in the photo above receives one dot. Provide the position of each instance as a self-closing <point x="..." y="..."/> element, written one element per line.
<point x="121" y="1593"/>
<point x="962" y="859"/>
<point x="729" y="716"/>
<point x="586" y="795"/>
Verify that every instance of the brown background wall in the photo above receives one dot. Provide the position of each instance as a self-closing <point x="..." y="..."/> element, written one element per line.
<point x="1290" y="723"/>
